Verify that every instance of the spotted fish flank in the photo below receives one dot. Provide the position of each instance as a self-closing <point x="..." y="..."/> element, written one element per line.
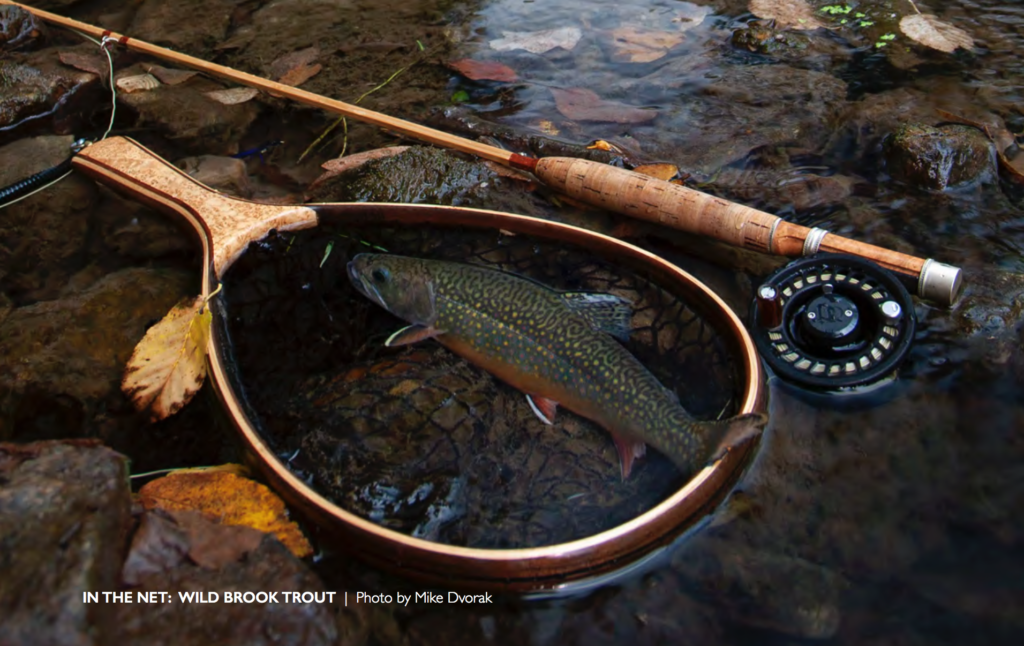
<point x="554" y="346"/>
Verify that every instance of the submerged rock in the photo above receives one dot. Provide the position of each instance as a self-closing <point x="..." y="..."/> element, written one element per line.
<point x="37" y="86"/>
<point x="18" y="28"/>
<point x="193" y="120"/>
<point x="65" y="357"/>
<point x="43" y="236"/>
<point x="938" y="158"/>
<point x="64" y="512"/>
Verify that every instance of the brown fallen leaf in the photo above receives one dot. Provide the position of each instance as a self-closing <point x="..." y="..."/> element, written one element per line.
<point x="793" y="14"/>
<point x="483" y="70"/>
<point x="229" y="500"/>
<point x="170" y="76"/>
<point x="212" y="545"/>
<point x="168" y="365"/>
<point x="233" y="95"/>
<point x="94" y="64"/>
<point x="664" y="172"/>
<point x="630" y="44"/>
<point x="581" y="104"/>
<point x="299" y="75"/>
<point x="932" y="32"/>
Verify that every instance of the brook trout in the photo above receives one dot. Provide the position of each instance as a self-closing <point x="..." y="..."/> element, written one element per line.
<point x="556" y="347"/>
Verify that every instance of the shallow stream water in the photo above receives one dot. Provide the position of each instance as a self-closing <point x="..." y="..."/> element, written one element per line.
<point x="896" y="519"/>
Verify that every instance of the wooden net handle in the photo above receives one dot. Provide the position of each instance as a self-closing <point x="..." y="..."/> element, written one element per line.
<point x="226" y="225"/>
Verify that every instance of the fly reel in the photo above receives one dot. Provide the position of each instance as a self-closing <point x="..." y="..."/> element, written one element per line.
<point x="832" y="322"/>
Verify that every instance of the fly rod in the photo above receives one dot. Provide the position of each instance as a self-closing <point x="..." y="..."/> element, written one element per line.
<point x="607" y="187"/>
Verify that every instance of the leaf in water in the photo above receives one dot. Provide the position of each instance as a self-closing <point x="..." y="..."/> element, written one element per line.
<point x="932" y="32"/>
<point x="301" y="58"/>
<point x="168" y="365"/>
<point x="483" y="70"/>
<point x="794" y="14"/>
<point x="229" y="500"/>
<point x="664" y="172"/>
<point x="137" y="83"/>
<point x="299" y="75"/>
<point x="169" y="76"/>
<point x="582" y="104"/>
<point x="538" y="42"/>
<point x="631" y="44"/>
<point x="233" y="95"/>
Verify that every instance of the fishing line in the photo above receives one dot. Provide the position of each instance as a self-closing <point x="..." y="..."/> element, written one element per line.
<point x="15" y="192"/>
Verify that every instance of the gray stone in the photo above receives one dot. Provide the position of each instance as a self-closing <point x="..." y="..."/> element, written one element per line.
<point x="64" y="512"/>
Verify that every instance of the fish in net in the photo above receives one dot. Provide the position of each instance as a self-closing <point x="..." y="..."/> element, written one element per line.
<point x="423" y="442"/>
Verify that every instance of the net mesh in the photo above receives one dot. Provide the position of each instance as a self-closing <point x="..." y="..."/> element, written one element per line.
<point x="417" y="439"/>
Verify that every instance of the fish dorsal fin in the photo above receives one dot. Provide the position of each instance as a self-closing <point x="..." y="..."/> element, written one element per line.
<point x="605" y="312"/>
<point x="543" y="408"/>
<point x="412" y="334"/>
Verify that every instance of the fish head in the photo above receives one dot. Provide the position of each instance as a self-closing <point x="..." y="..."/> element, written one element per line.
<point x="401" y="285"/>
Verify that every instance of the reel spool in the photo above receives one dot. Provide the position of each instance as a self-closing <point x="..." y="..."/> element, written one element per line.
<point x="833" y="322"/>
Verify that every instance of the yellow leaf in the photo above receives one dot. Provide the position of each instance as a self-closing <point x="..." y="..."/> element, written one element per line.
<point x="169" y="363"/>
<point x="239" y="470"/>
<point x="229" y="500"/>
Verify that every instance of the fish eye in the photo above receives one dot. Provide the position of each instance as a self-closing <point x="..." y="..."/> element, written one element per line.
<point x="381" y="275"/>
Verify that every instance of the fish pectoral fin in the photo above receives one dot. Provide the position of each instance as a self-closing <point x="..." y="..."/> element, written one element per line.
<point x="737" y="431"/>
<point x="604" y="312"/>
<point x="412" y="334"/>
<point x="629" y="450"/>
<point x="543" y="408"/>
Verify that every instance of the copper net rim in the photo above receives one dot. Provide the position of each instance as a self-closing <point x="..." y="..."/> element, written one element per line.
<point x="540" y="568"/>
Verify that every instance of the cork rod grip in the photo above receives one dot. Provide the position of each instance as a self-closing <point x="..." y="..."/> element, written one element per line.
<point x="225" y="224"/>
<point x="647" y="198"/>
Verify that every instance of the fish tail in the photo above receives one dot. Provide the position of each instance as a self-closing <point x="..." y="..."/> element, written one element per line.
<point x="729" y="433"/>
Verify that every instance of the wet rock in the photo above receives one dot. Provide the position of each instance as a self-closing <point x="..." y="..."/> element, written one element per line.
<point x="38" y="86"/>
<point x="187" y="27"/>
<point x="159" y="562"/>
<point x="938" y="158"/>
<point x="65" y="357"/>
<point x="432" y="176"/>
<point x="763" y="589"/>
<point x="743" y="108"/>
<point x="226" y="174"/>
<point x="195" y="121"/>
<point x="138" y="233"/>
<point x="18" y="28"/>
<point x="43" y="237"/>
<point x="420" y="174"/>
<point x="64" y="511"/>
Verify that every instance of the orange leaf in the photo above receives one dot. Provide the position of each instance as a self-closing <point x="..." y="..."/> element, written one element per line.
<point x="229" y="500"/>
<point x="168" y="365"/>
<point x="582" y="104"/>
<point x="664" y="172"/>
<point x="483" y="70"/>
